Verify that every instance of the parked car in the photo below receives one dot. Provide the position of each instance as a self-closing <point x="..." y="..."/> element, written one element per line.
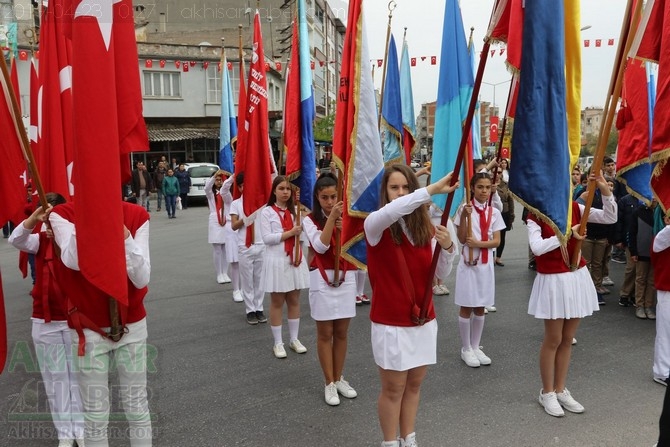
<point x="415" y="163"/>
<point x="199" y="172"/>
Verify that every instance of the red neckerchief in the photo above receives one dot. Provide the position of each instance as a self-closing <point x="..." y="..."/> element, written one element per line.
<point x="287" y="224"/>
<point x="250" y="235"/>
<point x="484" y="224"/>
<point x="220" y="214"/>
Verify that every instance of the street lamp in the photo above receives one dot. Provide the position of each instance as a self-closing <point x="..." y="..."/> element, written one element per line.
<point x="494" y="85"/>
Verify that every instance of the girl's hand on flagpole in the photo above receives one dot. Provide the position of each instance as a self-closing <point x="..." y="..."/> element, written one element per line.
<point x="442" y="186"/>
<point x="443" y="237"/>
<point x="39" y="215"/>
<point x="576" y="235"/>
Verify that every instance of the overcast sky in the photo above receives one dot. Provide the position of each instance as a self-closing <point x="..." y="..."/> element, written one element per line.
<point x="423" y="19"/>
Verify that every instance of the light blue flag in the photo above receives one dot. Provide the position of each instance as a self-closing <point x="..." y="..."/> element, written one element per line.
<point x="453" y="98"/>
<point x="407" y="100"/>
<point x="307" y="111"/>
<point x="391" y="123"/>
<point x="228" y="129"/>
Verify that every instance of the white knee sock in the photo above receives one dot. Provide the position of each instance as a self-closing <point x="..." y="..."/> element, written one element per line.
<point x="234" y="268"/>
<point x="476" y="331"/>
<point x="293" y="327"/>
<point x="464" y="329"/>
<point x="219" y="256"/>
<point x="276" y="334"/>
<point x="361" y="275"/>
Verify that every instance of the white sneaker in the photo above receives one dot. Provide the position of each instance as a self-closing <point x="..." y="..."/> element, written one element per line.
<point x="550" y="404"/>
<point x="331" y="394"/>
<point x="345" y="389"/>
<point x="483" y="358"/>
<point x="469" y="357"/>
<point x="437" y="290"/>
<point x="223" y="278"/>
<point x="491" y="308"/>
<point x="607" y="281"/>
<point x="237" y="296"/>
<point x="568" y="402"/>
<point x="409" y="441"/>
<point x="279" y="351"/>
<point x="444" y="289"/>
<point x="390" y="443"/>
<point x="297" y="347"/>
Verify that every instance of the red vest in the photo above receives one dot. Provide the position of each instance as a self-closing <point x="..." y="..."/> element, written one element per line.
<point x="90" y="300"/>
<point x="392" y="296"/>
<point x="661" y="263"/>
<point x="49" y="304"/>
<point x="553" y="262"/>
<point x="327" y="259"/>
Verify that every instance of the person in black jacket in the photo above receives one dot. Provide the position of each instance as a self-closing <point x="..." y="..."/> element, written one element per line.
<point x="141" y="184"/>
<point x="641" y="236"/>
<point x="626" y="206"/>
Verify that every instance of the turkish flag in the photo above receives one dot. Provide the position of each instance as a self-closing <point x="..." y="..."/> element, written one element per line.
<point x="257" y="169"/>
<point x="379" y="62"/>
<point x="587" y="43"/>
<point x="610" y="42"/>
<point x="412" y="62"/>
<point x="311" y="64"/>
<point x="13" y="178"/>
<point x="161" y="63"/>
<point x="23" y="55"/>
<point x="148" y="63"/>
<point x="55" y="155"/>
<point x="493" y="129"/>
<point x="599" y="42"/>
<point x="278" y="66"/>
<point x="107" y="107"/>
<point x="433" y="60"/>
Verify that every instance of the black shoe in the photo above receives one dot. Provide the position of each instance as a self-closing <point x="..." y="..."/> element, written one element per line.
<point x="251" y="318"/>
<point x="601" y="300"/>
<point x="531" y="265"/>
<point x="624" y="301"/>
<point x="260" y="316"/>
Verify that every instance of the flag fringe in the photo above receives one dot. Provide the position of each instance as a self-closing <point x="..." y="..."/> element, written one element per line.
<point x="660" y="157"/>
<point x="349" y="258"/>
<point x="562" y="238"/>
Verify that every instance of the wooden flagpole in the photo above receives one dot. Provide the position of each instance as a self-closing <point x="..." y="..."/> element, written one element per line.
<point x="628" y="31"/>
<point x="391" y="7"/>
<point x="338" y="232"/>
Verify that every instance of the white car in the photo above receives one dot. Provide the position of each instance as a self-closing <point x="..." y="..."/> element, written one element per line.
<point x="415" y="164"/>
<point x="199" y="172"/>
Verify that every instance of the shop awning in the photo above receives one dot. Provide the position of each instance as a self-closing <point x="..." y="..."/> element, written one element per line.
<point x="180" y="133"/>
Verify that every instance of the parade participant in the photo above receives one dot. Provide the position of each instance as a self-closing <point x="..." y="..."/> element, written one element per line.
<point x="50" y="332"/>
<point x="219" y="199"/>
<point x="331" y="300"/>
<point x="251" y="249"/>
<point x="284" y="271"/>
<point x="660" y="258"/>
<point x="90" y="312"/>
<point x="401" y="344"/>
<point x="562" y="297"/>
<point x="475" y="275"/>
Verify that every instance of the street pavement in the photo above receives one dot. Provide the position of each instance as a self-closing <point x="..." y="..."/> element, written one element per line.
<point x="213" y="380"/>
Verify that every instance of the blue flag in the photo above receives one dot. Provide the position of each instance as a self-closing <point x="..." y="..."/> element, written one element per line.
<point x="407" y="100"/>
<point x="453" y="98"/>
<point x="391" y="123"/>
<point x="228" y="129"/>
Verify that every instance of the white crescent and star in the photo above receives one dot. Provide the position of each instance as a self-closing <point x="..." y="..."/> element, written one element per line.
<point x="102" y="11"/>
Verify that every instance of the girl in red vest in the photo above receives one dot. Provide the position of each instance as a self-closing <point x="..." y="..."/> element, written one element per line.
<point x="331" y="306"/>
<point x="285" y="271"/>
<point x="400" y="240"/>
<point x="475" y="275"/>
<point x="562" y="296"/>
<point x="50" y="331"/>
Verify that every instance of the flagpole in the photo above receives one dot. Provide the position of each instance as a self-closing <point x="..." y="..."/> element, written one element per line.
<point x="501" y="134"/>
<point x="628" y="31"/>
<point x="13" y="106"/>
<point x="298" y="211"/>
<point x="467" y="126"/>
<point x="391" y="7"/>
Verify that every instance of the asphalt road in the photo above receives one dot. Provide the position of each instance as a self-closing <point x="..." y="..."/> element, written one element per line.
<point x="216" y="382"/>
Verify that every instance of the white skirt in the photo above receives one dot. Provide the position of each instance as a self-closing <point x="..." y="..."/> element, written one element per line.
<point x="216" y="234"/>
<point x="563" y="295"/>
<point x="232" y="251"/>
<point x="279" y="275"/>
<point x="475" y="284"/>
<point x="399" y="348"/>
<point x="328" y="303"/>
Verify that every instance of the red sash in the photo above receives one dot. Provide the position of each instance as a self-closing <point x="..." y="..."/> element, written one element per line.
<point x="287" y="224"/>
<point x="484" y="225"/>
<point x="220" y="214"/>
